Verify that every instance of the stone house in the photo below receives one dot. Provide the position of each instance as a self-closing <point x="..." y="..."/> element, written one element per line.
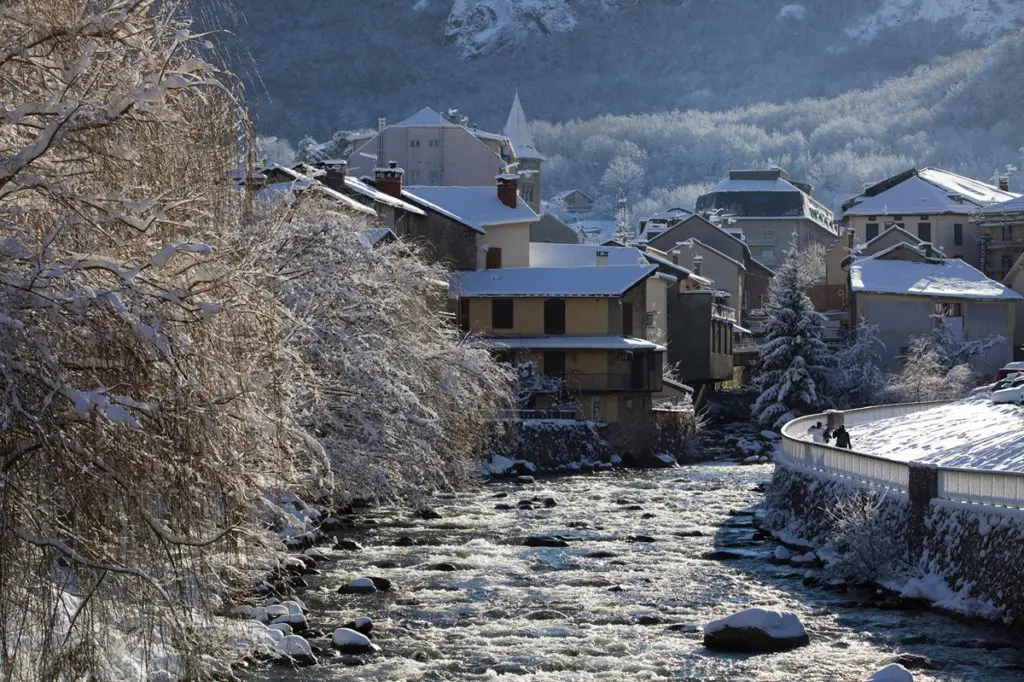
<point x="573" y="201"/>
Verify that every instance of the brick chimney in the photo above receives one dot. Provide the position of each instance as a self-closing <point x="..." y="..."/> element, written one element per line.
<point x="389" y="180"/>
<point x="1004" y="183"/>
<point x="602" y="258"/>
<point x="697" y="262"/>
<point x="508" y="189"/>
<point x="334" y="173"/>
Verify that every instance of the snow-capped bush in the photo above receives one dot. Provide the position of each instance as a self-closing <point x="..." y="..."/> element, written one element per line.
<point x="867" y="538"/>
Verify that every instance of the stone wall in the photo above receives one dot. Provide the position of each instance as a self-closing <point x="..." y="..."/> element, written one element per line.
<point x="976" y="551"/>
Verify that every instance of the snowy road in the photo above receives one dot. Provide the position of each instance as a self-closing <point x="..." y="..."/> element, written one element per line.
<point x="974" y="433"/>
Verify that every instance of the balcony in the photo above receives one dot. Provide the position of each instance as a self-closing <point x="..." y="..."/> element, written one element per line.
<point x="580" y="382"/>
<point x="722" y="312"/>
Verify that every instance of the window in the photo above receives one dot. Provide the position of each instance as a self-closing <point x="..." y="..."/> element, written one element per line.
<point x="502" y="313"/>
<point x="1007" y="263"/>
<point x="627" y="319"/>
<point x="433" y="143"/>
<point x="768" y="235"/>
<point x="924" y="232"/>
<point x="464" y="314"/>
<point x="924" y="217"/>
<point x="1007" y="233"/>
<point x="958" y="235"/>
<point x="493" y="258"/>
<point x="554" y="363"/>
<point x="897" y="218"/>
<point x="871" y="231"/>
<point x="414" y="177"/>
<point x="435" y="177"/>
<point x="946" y="310"/>
<point x="871" y="217"/>
<point x="414" y="142"/>
<point x="554" y="316"/>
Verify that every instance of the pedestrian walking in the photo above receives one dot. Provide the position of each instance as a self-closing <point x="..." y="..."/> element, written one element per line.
<point x="842" y="437"/>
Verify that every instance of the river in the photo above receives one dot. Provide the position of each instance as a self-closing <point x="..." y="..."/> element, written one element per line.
<point x="622" y="602"/>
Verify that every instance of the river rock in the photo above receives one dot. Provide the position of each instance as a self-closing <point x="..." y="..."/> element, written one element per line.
<point x="382" y="584"/>
<point x="600" y="554"/>
<point x="546" y="614"/>
<point x="295" y="650"/>
<point x="640" y="538"/>
<point x="362" y="625"/>
<point x="427" y="514"/>
<point x="358" y="586"/>
<point x="347" y="545"/>
<point x="916" y="662"/>
<point x="442" y="566"/>
<point x="503" y="507"/>
<point x="351" y="642"/>
<point x="525" y="504"/>
<point x="525" y="480"/>
<point x="548" y="502"/>
<point x="404" y="541"/>
<point x="545" y="541"/>
<point x="756" y="631"/>
<point x="894" y="672"/>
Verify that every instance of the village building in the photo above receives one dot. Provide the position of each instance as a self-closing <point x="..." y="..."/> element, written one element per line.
<point x="908" y="291"/>
<point x="1000" y="235"/>
<point x="768" y="208"/>
<point x="572" y="201"/>
<point x="934" y="205"/>
<point x="528" y="159"/>
<point x="551" y="229"/>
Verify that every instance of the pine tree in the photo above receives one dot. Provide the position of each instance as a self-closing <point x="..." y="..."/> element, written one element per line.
<point x="792" y="371"/>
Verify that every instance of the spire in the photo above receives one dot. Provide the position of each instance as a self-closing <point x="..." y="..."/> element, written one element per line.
<point x="517" y="130"/>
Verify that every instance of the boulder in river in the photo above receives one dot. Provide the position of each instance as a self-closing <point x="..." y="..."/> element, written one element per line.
<point x="545" y="541"/>
<point x="347" y="545"/>
<point x="295" y="650"/>
<point x="756" y="631"/>
<point x="894" y="672"/>
<point x="351" y="642"/>
<point x="362" y="625"/>
<point x="382" y="584"/>
<point x="358" y="586"/>
<point x="427" y="514"/>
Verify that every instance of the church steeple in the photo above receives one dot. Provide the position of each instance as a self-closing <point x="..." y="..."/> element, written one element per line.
<point x="518" y="130"/>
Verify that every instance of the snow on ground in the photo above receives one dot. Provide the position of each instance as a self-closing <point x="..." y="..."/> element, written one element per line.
<point x="973" y="433"/>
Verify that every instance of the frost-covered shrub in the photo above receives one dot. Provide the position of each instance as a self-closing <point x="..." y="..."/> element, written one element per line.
<point x="934" y="369"/>
<point x="857" y="379"/>
<point x="866" y="538"/>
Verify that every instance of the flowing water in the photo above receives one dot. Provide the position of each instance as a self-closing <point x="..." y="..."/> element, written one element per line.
<point x="622" y="602"/>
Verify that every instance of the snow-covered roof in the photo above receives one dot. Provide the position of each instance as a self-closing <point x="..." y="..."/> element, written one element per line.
<point x="926" y="192"/>
<point x="360" y="187"/>
<point x="425" y="118"/>
<point x="304" y="182"/>
<point x="518" y="130"/>
<point x="657" y="257"/>
<point x="775" y="185"/>
<point x="1005" y="207"/>
<point x="945" y="278"/>
<point x="594" y="281"/>
<point x="565" y="194"/>
<point x="375" y="235"/>
<point x="907" y="237"/>
<point x="569" y="343"/>
<point x="475" y="207"/>
<point x="694" y="242"/>
<point x="671" y="214"/>
<point x="543" y="254"/>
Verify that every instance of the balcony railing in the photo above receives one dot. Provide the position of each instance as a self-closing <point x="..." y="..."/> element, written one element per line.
<point x="723" y="312"/>
<point x="572" y="415"/>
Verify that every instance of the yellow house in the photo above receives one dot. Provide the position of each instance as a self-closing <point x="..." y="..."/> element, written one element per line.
<point x="581" y="329"/>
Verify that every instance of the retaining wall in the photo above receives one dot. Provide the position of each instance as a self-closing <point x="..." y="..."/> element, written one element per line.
<point x="965" y="527"/>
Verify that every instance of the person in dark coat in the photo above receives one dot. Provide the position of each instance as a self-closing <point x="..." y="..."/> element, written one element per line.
<point x="842" y="437"/>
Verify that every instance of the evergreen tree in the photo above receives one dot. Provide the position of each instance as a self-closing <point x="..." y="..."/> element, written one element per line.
<point x="792" y="371"/>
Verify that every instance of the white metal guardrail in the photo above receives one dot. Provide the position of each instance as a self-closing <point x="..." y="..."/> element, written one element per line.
<point x="997" y="488"/>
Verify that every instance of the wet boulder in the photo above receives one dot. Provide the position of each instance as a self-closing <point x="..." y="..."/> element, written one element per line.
<point x="545" y="541"/>
<point x="756" y="631"/>
<point x="295" y="650"/>
<point x="362" y="625"/>
<point x="427" y="514"/>
<point x="352" y="642"/>
<point x="358" y="586"/>
<point x="347" y="545"/>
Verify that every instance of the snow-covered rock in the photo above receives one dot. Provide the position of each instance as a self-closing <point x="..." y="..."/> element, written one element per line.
<point x="296" y="650"/>
<point x="665" y="460"/>
<point x="297" y="621"/>
<point x="352" y="642"/>
<point x="283" y="628"/>
<point x="361" y="625"/>
<point x="782" y="554"/>
<point x="894" y="672"/>
<point x="358" y="586"/>
<point x="499" y="465"/>
<point x="480" y="27"/>
<point x="756" y="631"/>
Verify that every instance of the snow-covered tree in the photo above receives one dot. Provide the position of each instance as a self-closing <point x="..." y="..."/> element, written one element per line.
<point x="309" y="151"/>
<point x="792" y="371"/>
<point x="936" y="367"/>
<point x="396" y="398"/>
<point x="858" y="378"/>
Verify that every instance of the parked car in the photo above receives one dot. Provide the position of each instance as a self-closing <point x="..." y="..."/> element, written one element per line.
<point x="1013" y="367"/>
<point x="1009" y="392"/>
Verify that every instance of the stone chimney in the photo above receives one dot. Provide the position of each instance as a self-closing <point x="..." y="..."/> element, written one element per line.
<point x="1004" y="183"/>
<point x="602" y="258"/>
<point x="389" y="180"/>
<point x="850" y="233"/>
<point x="334" y="173"/>
<point x="508" y="189"/>
<point x="697" y="262"/>
<point x="675" y="256"/>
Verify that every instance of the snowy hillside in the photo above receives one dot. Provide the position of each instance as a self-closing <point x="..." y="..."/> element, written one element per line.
<point x="479" y="27"/>
<point x="984" y="20"/>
